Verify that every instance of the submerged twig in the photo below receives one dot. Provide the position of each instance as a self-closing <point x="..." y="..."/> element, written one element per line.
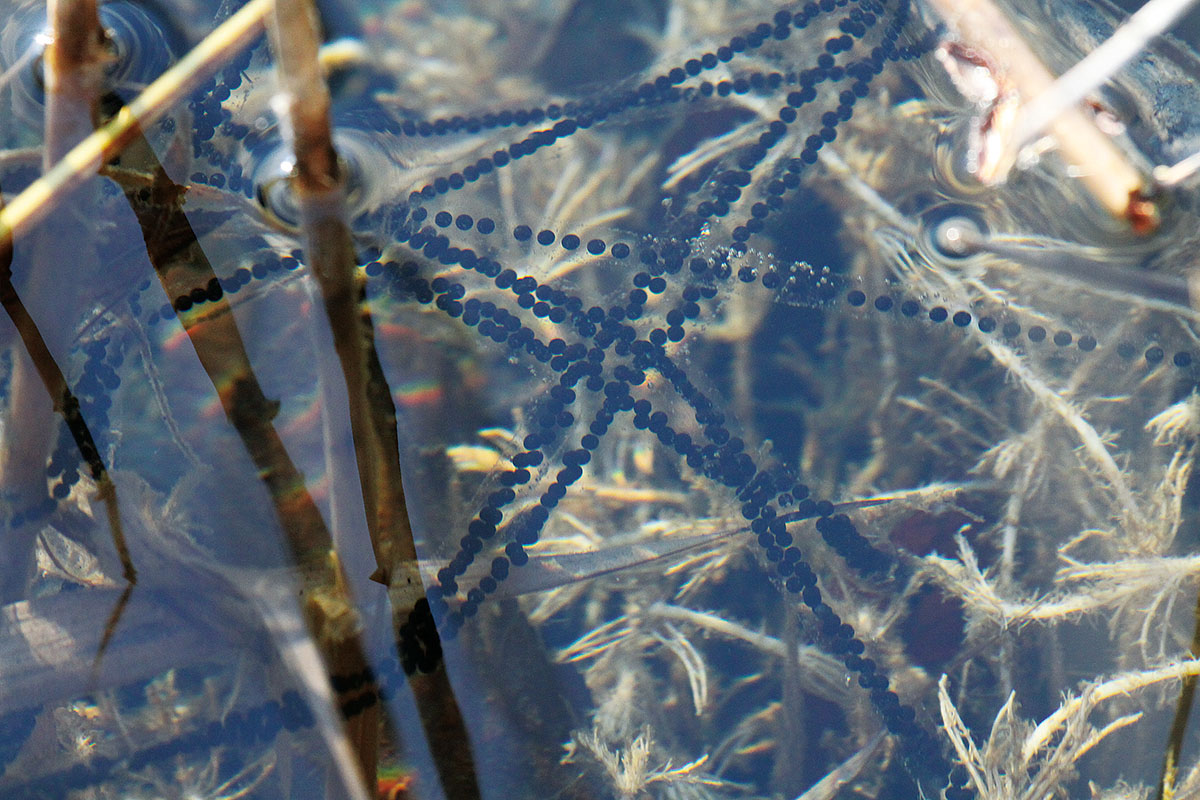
<point x="319" y="188"/>
<point x="320" y="195"/>
<point x="67" y="406"/>
<point x="175" y="252"/>
<point x="72" y="65"/>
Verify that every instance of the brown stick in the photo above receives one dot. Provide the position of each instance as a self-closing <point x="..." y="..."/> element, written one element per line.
<point x="85" y="159"/>
<point x="74" y="74"/>
<point x="330" y="255"/>
<point x="178" y="259"/>
<point x="181" y="263"/>
<point x="73" y="65"/>
<point x="54" y="384"/>
<point x="73" y="68"/>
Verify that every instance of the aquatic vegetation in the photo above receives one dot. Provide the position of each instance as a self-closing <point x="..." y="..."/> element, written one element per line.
<point x="771" y="422"/>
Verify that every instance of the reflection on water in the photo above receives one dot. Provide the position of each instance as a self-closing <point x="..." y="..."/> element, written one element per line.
<point x="720" y="446"/>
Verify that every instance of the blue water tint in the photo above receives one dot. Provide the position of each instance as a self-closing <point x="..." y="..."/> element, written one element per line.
<point x="639" y="273"/>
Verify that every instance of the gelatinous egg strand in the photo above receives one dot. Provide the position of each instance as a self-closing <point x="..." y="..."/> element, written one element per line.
<point x="613" y="328"/>
<point x="723" y="459"/>
<point x="547" y="302"/>
<point x="239" y="729"/>
<point x="89" y="399"/>
<point x="674" y="278"/>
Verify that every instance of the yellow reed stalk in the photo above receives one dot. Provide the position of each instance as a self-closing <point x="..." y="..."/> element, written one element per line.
<point x="85" y="159"/>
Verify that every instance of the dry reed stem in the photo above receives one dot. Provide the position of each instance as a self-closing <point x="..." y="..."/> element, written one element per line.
<point x="329" y="251"/>
<point x="85" y="159"/>
<point x="1104" y="170"/>
<point x="74" y="62"/>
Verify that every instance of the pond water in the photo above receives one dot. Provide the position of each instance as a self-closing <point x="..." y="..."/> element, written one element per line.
<point x="753" y="444"/>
